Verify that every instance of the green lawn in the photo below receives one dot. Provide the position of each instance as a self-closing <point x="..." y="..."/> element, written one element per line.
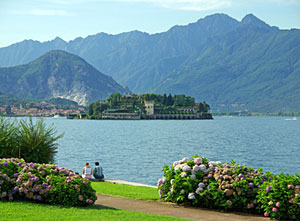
<point x="128" y="191"/>
<point x="34" y="211"/>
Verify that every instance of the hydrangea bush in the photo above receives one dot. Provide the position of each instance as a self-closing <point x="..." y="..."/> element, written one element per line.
<point x="228" y="186"/>
<point x="280" y="197"/>
<point x="43" y="183"/>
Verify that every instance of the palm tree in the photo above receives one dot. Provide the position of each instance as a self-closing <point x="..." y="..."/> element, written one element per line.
<point x="37" y="143"/>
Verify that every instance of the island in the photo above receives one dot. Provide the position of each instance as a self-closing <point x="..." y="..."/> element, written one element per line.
<point x="146" y="107"/>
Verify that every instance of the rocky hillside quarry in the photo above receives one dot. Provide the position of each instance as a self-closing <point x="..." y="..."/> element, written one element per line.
<point x="58" y="74"/>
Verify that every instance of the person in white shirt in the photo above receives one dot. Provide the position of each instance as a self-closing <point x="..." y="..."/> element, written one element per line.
<point x="87" y="171"/>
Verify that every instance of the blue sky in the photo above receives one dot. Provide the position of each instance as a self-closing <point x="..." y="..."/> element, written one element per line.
<point x="46" y="19"/>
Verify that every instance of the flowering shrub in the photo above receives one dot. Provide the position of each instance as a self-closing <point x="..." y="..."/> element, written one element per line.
<point x="204" y="183"/>
<point x="43" y="183"/>
<point x="280" y="197"/>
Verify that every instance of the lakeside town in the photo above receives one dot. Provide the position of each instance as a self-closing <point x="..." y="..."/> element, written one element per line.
<point x="40" y="109"/>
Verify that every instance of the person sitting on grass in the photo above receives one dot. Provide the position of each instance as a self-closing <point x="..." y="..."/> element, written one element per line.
<point x="98" y="171"/>
<point x="87" y="171"/>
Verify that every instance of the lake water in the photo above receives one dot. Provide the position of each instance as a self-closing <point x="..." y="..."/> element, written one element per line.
<point x="137" y="150"/>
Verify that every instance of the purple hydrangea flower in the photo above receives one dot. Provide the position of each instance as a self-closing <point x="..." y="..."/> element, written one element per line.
<point x="5" y="163"/>
<point x="268" y="188"/>
<point x="38" y="197"/>
<point x="16" y="189"/>
<point x="160" y="192"/>
<point x="201" y="185"/>
<point x="44" y="185"/>
<point x="16" y="175"/>
<point x="210" y="176"/>
<point x="196" y="168"/>
<point x="251" y="185"/>
<point x="84" y="182"/>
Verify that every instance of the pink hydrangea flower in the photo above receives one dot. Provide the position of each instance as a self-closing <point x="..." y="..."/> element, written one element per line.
<point x="266" y="214"/>
<point x="278" y="204"/>
<point x="186" y="168"/>
<point x="274" y="209"/>
<point x="250" y="205"/>
<point x="198" y="160"/>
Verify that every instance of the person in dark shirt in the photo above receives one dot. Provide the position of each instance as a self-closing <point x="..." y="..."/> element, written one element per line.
<point x="98" y="171"/>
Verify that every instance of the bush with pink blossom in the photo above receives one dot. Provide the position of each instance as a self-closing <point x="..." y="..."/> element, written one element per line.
<point x="44" y="183"/>
<point x="279" y="197"/>
<point x="227" y="186"/>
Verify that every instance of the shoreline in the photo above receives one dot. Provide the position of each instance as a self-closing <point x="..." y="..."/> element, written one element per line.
<point x="117" y="181"/>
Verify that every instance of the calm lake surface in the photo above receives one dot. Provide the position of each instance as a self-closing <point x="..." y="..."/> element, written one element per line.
<point x="137" y="150"/>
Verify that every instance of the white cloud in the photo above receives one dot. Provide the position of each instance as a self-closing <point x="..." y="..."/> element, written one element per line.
<point x="194" y="5"/>
<point x="188" y="5"/>
<point x="41" y="12"/>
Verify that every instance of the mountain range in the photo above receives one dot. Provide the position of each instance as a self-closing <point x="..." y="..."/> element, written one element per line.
<point x="58" y="74"/>
<point x="217" y="59"/>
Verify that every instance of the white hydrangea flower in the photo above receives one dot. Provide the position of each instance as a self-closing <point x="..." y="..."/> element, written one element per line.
<point x="191" y="196"/>
<point x="202" y="167"/>
<point x="172" y="180"/>
<point x="198" y="190"/>
<point x="185" y="159"/>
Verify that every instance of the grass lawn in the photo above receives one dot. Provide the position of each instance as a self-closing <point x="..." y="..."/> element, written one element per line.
<point x="128" y="191"/>
<point x="34" y="211"/>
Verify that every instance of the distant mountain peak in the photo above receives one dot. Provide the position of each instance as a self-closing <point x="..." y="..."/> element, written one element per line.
<point x="251" y="19"/>
<point x="215" y="17"/>
<point x="59" y="39"/>
<point x="56" y="54"/>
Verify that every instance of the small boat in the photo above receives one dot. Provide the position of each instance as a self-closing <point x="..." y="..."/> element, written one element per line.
<point x="56" y="116"/>
<point x="294" y="118"/>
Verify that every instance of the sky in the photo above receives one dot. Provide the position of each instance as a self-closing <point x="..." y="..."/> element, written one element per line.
<point x="44" y="20"/>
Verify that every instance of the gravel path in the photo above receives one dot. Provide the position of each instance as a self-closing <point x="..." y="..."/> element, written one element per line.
<point x="171" y="209"/>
